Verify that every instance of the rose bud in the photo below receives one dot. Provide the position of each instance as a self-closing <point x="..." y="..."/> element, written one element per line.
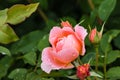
<point x="83" y="71"/>
<point x="95" y="36"/>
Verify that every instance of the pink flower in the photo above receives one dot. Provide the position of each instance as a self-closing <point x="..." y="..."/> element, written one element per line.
<point x="95" y="36"/>
<point x="83" y="71"/>
<point x="66" y="45"/>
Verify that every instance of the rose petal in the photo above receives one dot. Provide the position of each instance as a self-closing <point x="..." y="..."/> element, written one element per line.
<point x="82" y="32"/>
<point x="83" y="48"/>
<point x="69" y="66"/>
<point x="72" y="42"/>
<point x="47" y="60"/>
<point x="55" y="33"/>
<point x="50" y="63"/>
<point x="66" y="55"/>
<point x="67" y="31"/>
<point x="69" y="51"/>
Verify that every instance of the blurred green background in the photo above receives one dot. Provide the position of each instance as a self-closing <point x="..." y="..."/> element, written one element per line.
<point x="24" y="64"/>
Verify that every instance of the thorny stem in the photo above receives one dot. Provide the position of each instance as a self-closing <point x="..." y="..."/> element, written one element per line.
<point x="42" y="14"/>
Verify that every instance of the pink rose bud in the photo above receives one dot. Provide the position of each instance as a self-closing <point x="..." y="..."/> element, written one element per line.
<point x="83" y="71"/>
<point x="67" y="44"/>
<point x="95" y="36"/>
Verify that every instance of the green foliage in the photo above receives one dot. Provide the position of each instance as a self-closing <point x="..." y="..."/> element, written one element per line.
<point x="27" y="43"/>
<point x="3" y="16"/>
<point x="20" y="12"/>
<point x="107" y="38"/>
<point x="95" y="74"/>
<point x="105" y="9"/>
<point x="43" y="42"/>
<point x="7" y="34"/>
<point x="30" y="58"/>
<point x="112" y="56"/>
<point x="13" y="15"/>
<point x="18" y="74"/>
<point x="114" y="73"/>
<point x="5" y="51"/>
<point x="5" y="63"/>
<point x="43" y="4"/>
<point x="21" y="44"/>
<point x="32" y="76"/>
<point x="117" y="41"/>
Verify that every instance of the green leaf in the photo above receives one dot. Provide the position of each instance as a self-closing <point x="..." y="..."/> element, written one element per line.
<point x="112" y="56"/>
<point x="7" y="34"/>
<point x="72" y="77"/>
<point x="18" y="74"/>
<point x="4" y="51"/>
<point x="34" y="76"/>
<point x="97" y="2"/>
<point x="50" y="23"/>
<point x="31" y="76"/>
<point x="5" y="63"/>
<point x="114" y="73"/>
<point x="106" y="8"/>
<point x="30" y="58"/>
<point x="20" y="12"/>
<point x="27" y="43"/>
<point x="93" y="15"/>
<point x="44" y="42"/>
<point x="3" y="16"/>
<point x="86" y="22"/>
<point x="43" y="4"/>
<point x="107" y="38"/>
<point x="88" y="56"/>
<point x="92" y="73"/>
<point x="117" y="41"/>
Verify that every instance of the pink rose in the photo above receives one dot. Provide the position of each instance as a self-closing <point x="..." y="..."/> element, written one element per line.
<point x="66" y="45"/>
<point x="95" y="36"/>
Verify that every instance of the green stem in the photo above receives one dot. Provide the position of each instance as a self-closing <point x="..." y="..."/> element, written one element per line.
<point x="88" y="78"/>
<point x="105" y="61"/>
<point x="91" y="4"/>
<point x="80" y="62"/>
<point x="97" y="57"/>
<point x="20" y="57"/>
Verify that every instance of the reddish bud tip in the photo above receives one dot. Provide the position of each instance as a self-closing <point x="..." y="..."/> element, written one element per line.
<point x="83" y="71"/>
